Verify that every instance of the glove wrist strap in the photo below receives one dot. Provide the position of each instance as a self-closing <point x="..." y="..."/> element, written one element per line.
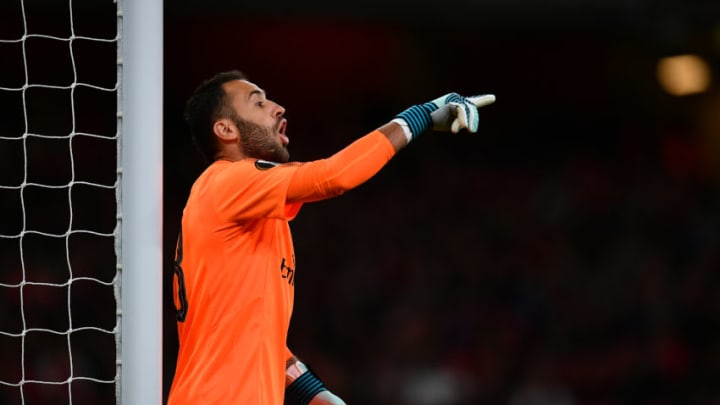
<point x="305" y="387"/>
<point x="418" y="118"/>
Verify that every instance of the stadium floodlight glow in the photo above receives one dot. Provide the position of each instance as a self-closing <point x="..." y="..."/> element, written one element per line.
<point x="683" y="75"/>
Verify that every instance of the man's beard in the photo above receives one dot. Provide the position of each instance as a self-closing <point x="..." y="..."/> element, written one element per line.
<point x="261" y="142"/>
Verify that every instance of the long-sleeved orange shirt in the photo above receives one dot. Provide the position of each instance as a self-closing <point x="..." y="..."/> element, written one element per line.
<point x="235" y="276"/>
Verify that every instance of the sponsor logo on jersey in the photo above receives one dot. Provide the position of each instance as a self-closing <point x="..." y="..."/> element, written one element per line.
<point x="288" y="272"/>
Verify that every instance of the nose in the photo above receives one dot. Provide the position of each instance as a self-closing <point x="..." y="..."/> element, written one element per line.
<point x="279" y="111"/>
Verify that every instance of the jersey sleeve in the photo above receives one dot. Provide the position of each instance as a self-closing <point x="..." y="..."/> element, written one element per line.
<point x="251" y="189"/>
<point x="347" y="169"/>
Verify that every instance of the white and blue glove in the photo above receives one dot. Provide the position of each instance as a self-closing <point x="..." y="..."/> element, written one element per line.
<point x="451" y="112"/>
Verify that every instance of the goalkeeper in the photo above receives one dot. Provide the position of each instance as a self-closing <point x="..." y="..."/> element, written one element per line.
<point x="235" y="267"/>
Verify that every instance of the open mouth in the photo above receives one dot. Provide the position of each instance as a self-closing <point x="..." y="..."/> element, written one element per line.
<point x="282" y="127"/>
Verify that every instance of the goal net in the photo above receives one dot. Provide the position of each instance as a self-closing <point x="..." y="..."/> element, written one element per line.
<point x="61" y="216"/>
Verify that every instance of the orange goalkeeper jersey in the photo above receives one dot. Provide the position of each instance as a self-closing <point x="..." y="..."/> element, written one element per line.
<point x="235" y="270"/>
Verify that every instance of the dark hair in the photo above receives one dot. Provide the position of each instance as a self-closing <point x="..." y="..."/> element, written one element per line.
<point x="206" y="105"/>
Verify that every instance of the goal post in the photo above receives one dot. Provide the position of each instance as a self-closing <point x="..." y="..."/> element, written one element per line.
<point x="140" y="167"/>
<point x="81" y="201"/>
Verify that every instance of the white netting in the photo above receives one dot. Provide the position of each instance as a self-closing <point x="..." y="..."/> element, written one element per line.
<point x="58" y="184"/>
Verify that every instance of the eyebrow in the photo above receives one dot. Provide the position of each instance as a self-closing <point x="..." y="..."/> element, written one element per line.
<point x="256" y="92"/>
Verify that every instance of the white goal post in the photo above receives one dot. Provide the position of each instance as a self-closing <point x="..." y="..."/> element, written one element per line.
<point x="81" y="169"/>
<point x="141" y="169"/>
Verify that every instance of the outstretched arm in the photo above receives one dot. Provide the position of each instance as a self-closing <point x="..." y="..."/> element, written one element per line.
<point x="346" y="169"/>
<point x="362" y="159"/>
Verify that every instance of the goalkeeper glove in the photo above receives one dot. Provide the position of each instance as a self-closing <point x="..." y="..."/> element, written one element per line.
<point x="451" y="112"/>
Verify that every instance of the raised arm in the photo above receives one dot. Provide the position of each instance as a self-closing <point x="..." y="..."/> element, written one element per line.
<point x="362" y="159"/>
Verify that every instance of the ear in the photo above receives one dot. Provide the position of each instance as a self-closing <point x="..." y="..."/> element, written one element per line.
<point x="226" y="130"/>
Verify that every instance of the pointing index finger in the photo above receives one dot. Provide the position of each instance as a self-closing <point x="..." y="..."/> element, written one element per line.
<point x="482" y="100"/>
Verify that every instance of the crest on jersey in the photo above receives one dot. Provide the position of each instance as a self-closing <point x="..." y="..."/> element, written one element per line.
<point x="264" y="164"/>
